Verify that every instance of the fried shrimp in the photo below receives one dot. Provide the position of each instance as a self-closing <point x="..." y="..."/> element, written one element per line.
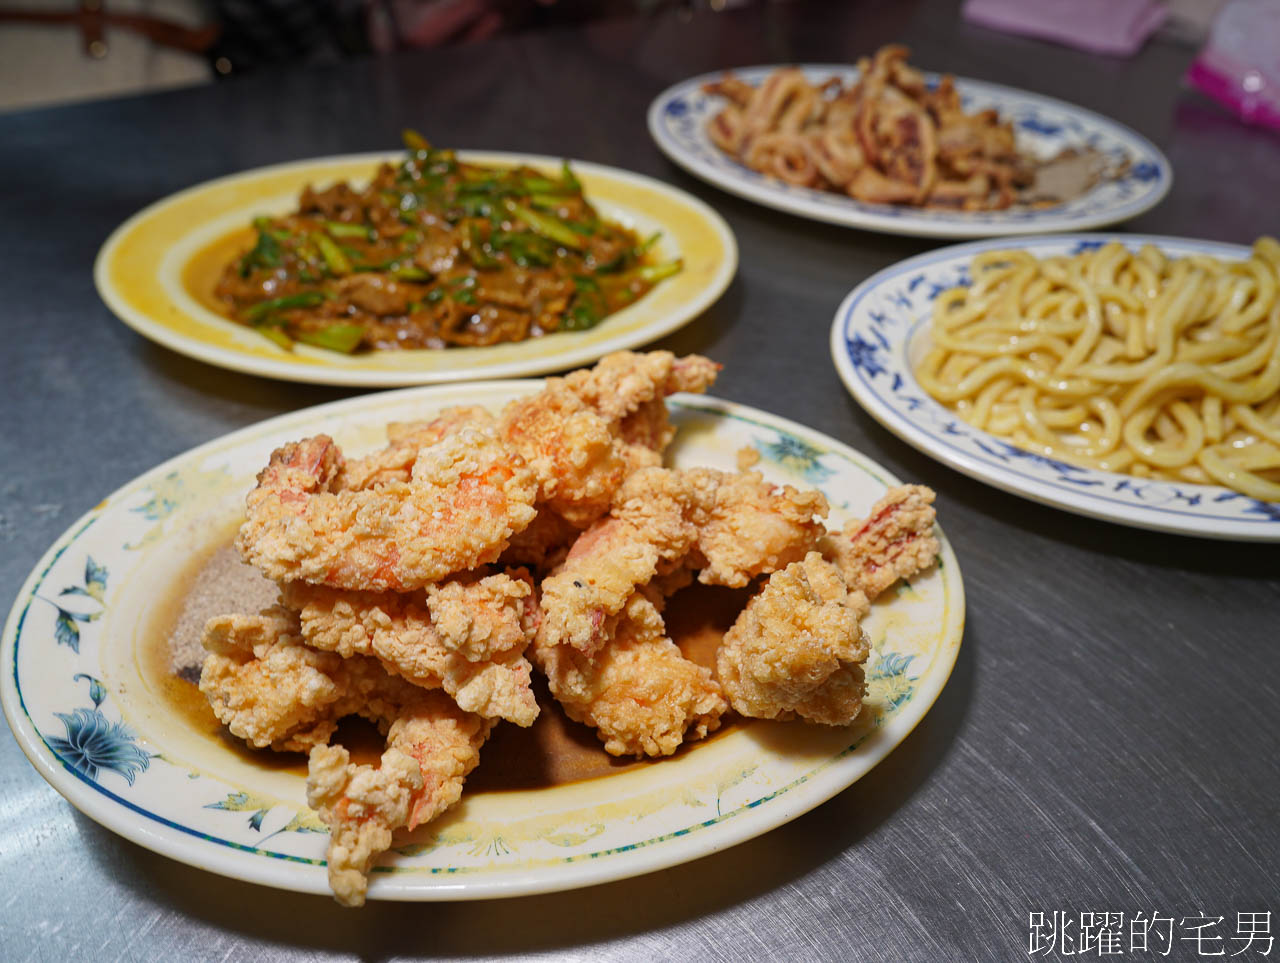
<point x="466" y="496"/>
<point x="431" y="747"/>
<point x="639" y="693"/>
<point x="755" y="528"/>
<point x="465" y="638"/>
<point x="797" y="648"/>
<point x="653" y="527"/>
<point x="404" y="600"/>
<point x="394" y="463"/>
<point x="895" y="541"/>
<point x="582" y="434"/>
<point x="731" y="527"/>
<point x="270" y="689"/>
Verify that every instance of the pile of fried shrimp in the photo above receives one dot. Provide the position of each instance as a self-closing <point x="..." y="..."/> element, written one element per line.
<point x="421" y="586"/>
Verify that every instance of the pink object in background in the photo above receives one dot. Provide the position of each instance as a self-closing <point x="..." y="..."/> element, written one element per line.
<point x="1117" y="27"/>
<point x="1240" y="65"/>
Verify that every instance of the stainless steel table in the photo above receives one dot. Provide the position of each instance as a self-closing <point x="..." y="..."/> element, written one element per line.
<point x="1107" y="743"/>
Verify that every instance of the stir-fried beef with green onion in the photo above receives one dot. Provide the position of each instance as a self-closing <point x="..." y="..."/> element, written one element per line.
<point x="436" y="252"/>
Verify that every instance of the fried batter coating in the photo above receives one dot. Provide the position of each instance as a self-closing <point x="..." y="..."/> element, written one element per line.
<point x="654" y="525"/>
<point x="894" y="541"/>
<point x="467" y="495"/>
<point x="394" y="463"/>
<point x="362" y="806"/>
<point x="796" y="649"/>
<point x="582" y="598"/>
<point x="431" y="747"/>
<point x="640" y="693"/>
<point x="466" y="637"/>
<point x="755" y="528"/>
<point x="582" y="434"/>
<point x="731" y="526"/>
<point x="270" y="689"/>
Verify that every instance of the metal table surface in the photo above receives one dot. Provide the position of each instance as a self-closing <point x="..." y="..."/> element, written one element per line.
<point x="1107" y="742"/>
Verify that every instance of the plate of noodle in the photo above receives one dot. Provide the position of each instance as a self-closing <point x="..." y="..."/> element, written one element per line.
<point x="1129" y="378"/>
<point x="423" y="266"/>
<point x="884" y="146"/>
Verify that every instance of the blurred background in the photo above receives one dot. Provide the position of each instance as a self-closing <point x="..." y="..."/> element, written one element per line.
<point x="57" y="51"/>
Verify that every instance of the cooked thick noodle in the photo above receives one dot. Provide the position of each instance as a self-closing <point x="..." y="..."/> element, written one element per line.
<point x="1120" y="360"/>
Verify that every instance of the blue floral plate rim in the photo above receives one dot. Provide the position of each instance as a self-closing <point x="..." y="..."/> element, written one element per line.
<point x="677" y="119"/>
<point x="871" y="336"/>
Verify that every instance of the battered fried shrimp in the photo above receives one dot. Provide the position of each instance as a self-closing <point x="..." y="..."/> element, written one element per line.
<point x="270" y="689"/>
<point x="467" y="638"/>
<point x="431" y="747"/>
<point x="582" y="598"/>
<point x="756" y="528"/>
<point x="894" y="541"/>
<point x="576" y="457"/>
<point x="466" y="497"/>
<point x="480" y="616"/>
<point x="731" y="527"/>
<point x="646" y="430"/>
<point x="390" y="611"/>
<point x="394" y="463"/>
<point x="622" y="382"/>
<point x="640" y="694"/>
<point x="653" y="526"/>
<point x="797" y="648"/>
<point x="362" y="806"/>
<point x="582" y="434"/>
<point x="265" y="685"/>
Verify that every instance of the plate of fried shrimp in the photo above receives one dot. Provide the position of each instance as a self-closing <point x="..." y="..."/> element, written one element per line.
<point x="884" y="146"/>
<point x="1124" y="377"/>
<point x="458" y="569"/>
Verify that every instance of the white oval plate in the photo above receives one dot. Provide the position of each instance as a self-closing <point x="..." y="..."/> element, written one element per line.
<point x="91" y="718"/>
<point x="144" y="272"/>
<point x="678" y="122"/>
<point x="881" y="328"/>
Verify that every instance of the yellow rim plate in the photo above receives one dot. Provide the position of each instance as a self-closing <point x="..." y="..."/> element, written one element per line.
<point x="157" y="269"/>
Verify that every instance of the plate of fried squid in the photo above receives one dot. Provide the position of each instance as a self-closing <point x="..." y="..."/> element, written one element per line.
<point x="886" y="146"/>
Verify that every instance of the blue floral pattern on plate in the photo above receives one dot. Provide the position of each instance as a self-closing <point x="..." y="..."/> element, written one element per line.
<point x="678" y="119"/>
<point x="93" y="742"/>
<point x="871" y="343"/>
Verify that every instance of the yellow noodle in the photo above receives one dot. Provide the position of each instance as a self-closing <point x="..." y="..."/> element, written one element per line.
<point x="1254" y="422"/>
<point x="1211" y="415"/>
<point x="1126" y="361"/>
<point x="1226" y="473"/>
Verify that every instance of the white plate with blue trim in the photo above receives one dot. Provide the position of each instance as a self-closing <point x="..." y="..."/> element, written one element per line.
<point x="881" y="330"/>
<point x="92" y="706"/>
<point x="1044" y="126"/>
